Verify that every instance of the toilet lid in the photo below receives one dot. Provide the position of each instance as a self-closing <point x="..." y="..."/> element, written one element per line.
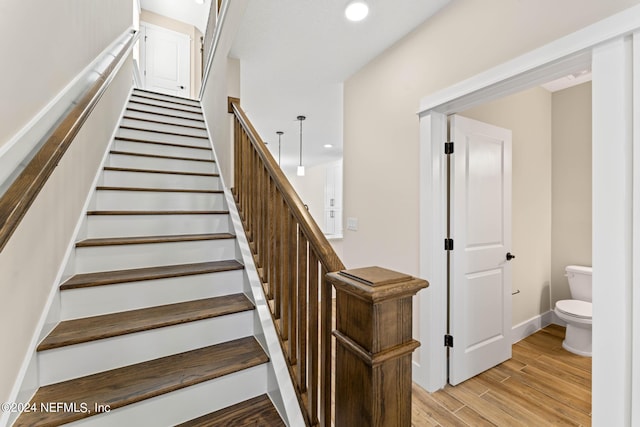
<point x="575" y="308"/>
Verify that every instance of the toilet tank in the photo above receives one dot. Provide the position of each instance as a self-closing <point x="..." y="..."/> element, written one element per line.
<point x="579" y="282"/>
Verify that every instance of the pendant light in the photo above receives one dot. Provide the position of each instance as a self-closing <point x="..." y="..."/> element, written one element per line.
<point x="279" y="133"/>
<point x="300" y="167"/>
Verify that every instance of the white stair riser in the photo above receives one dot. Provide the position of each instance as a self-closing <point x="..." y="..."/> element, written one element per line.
<point x="161" y="150"/>
<point x="155" y="109"/>
<point x="155" y="163"/>
<point x="155" y="225"/>
<point x="167" y="104"/>
<point x="88" y="358"/>
<point x="164" y="118"/>
<point x="112" y="178"/>
<point x="98" y="300"/>
<point x="168" y="98"/>
<point x="163" y="127"/>
<point x="161" y="137"/>
<point x="122" y="257"/>
<point x="153" y="200"/>
<point x="185" y="404"/>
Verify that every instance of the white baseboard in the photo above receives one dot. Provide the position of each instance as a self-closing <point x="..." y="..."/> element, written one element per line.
<point x="528" y="327"/>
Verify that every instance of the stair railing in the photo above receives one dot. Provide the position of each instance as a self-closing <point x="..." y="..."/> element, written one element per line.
<point x="25" y="185"/>
<point x="372" y="341"/>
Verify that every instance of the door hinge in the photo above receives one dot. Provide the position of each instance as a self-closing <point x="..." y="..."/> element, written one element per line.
<point x="145" y="38"/>
<point x="448" y="244"/>
<point x="448" y="340"/>
<point x="448" y="148"/>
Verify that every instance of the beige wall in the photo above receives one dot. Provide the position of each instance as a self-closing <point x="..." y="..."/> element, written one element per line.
<point x="57" y="40"/>
<point x="381" y="133"/>
<point x="193" y="33"/>
<point x="571" y="236"/>
<point x="528" y="115"/>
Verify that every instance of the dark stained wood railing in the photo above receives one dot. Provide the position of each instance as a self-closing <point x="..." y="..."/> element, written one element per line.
<point x="294" y="260"/>
<point x="25" y="188"/>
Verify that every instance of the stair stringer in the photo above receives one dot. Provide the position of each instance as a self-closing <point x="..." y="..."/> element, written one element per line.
<point x="280" y="386"/>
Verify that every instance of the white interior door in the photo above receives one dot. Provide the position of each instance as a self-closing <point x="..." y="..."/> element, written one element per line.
<point x="167" y="61"/>
<point x="480" y="226"/>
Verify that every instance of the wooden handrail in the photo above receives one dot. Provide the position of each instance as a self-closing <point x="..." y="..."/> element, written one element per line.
<point x="299" y="269"/>
<point x="315" y="235"/>
<point x="25" y="188"/>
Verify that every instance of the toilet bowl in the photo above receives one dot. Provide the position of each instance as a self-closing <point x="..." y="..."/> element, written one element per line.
<point x="577" y="312"/>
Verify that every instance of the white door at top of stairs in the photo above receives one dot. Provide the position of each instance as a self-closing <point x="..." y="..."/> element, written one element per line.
<point x="166" y="60"/>
<point x="480" y="271"/>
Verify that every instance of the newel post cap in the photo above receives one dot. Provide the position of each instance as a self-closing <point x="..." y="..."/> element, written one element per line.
<point x="376" y="284"/>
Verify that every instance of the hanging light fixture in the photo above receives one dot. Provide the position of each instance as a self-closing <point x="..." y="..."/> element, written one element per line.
<point x="279" y="133"/>
<point x="300" y="167"/>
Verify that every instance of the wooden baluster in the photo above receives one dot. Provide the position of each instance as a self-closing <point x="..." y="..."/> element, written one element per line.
<point x="373" y="346"/>
<point x="286" y="273"/>
<point x="293" y="290"/>
<point x="314" y="337"/>
<point x="264" y="226"/>
<point x="278" y="259"/>
<point x="271" y="239"/>
<point x="326" y="325"/>
<point x="302" y="311"/>
<point x="236" y="156"/>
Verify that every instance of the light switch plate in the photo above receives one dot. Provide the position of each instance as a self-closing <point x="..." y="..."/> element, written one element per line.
<point x="352" y="224"/>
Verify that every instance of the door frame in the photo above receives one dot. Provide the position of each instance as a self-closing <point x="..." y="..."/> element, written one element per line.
<point x="610" y="47"/>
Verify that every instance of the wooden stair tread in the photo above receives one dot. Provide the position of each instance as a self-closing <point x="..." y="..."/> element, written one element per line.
<point x="176" y="100"/>
<point x="150" y="92"/>
<point x="148" y="273"/>
<point x="158" y="190"/>
<point x="171" y="212"/>
<point x="133" y="383"/>
<point x="139" y="119"/>
<point x="94" y="328"/>
<point x="164" y="132"/>
<point x="173" y="116"/>
<point x="138" y="240"/>
<point x="170" y="144"/>
<point x="258" y="411"/>
<point x="182" y="110"/>
<point x="119" y="169"/>
<point x="158" y="156"/>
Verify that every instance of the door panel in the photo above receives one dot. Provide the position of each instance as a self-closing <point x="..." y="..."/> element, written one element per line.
<point x="167" y="61"/>
<point x="480" y="221"/>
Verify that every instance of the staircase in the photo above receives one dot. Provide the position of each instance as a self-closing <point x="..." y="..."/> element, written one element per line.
<point x="156" y="327"/>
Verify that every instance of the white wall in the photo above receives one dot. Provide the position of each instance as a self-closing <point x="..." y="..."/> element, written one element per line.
<point x="571" y="236"/>
<point x="380" y="101"/>
<point x="55" y="42"/>
<point x="528" y="115"/>
<point x="222" y="82"/>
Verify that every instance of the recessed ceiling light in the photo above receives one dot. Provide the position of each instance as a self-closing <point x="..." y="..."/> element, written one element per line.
<point x="328" y="146"/>
<point x="356" y="10"/>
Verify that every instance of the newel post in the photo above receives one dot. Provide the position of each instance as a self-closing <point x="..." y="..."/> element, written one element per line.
<point x="373" y="346"/>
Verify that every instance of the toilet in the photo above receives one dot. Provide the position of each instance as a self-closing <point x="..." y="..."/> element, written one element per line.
<point x="576" y="312"/>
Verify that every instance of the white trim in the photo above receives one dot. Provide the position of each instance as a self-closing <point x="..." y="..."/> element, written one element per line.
<point x="612" y="153"/>
<point x="15" y="154"/>
<point x="635" y="313"/>
<point x="531" y="326"/>
<point x="550" y="61"/>
<point x="612" y="233"/>
<point x="23" y="390"/>
<point x="287" y="401"/>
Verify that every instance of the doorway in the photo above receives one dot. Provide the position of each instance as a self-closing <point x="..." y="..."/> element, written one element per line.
<point x="609" y="47"/>
<point x="165" y="58"/>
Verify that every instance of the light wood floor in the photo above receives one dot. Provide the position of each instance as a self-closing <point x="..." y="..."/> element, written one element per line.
<point x="542" y="385"/>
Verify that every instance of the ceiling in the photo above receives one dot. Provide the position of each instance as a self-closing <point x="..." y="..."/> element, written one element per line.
<point x="181" y="10"/>
<point x="295" y="56"/>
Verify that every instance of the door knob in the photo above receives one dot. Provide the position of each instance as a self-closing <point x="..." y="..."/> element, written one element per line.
<point x="181" y="87"/>
<point x="510" y="256"/>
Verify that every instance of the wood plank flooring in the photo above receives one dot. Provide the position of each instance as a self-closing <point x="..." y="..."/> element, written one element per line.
<point x="541" y="385"/>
